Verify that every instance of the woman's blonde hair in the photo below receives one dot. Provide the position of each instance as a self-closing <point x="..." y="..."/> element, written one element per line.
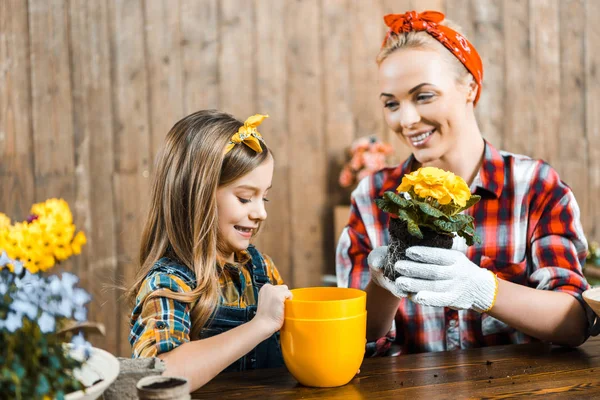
<point x="182" y="217"/>
<point x="423" y="40"/>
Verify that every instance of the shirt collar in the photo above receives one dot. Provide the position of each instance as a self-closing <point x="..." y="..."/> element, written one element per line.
<point x="490" y="176"/>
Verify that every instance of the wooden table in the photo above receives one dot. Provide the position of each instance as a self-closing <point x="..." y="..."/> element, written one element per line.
<point x="497" y="372"/>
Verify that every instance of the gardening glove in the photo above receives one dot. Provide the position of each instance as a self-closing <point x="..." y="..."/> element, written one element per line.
<point x="446" y="278"/>
<point x="376" y="261"/>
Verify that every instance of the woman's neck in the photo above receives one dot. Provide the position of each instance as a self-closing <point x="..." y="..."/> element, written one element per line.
<point x="466" y="156"/>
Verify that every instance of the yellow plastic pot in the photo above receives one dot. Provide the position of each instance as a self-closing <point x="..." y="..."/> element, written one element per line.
<point x="326" y="350"/>
<point x="325" y="303"/>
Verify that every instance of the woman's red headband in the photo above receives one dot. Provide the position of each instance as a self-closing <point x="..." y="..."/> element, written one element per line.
<point x="429" y="21"/>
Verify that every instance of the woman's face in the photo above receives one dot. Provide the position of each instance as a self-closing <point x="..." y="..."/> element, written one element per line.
<point x="423" y="102"/>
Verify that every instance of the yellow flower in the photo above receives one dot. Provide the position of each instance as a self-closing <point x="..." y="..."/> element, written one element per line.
<point x="4" y="221"/>
<point x="458" y="189"/>
<point x="438" y="184"/>
<point x="78" y="241"/>
<point x="47" y="239"/>
<point x="62" y="252"/>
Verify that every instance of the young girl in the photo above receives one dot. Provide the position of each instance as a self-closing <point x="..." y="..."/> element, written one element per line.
<point x="430" y="79"/>
<point x="206" y="300"/>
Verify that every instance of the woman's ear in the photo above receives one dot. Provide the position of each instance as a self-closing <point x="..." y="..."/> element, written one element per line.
<point x="472" y="93"/>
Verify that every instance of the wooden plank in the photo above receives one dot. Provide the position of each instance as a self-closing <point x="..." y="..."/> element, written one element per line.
<point x="429" y="5"/>
<point x="461" y="12"/>
<point x="592" y="112"/>
<point x="132" y="141"/>
<point x="339" y="117"/>
<point x="519" y="100"/>
<point x="16" y="142"/>
<point x="489" y="372"/>
<point x="200" y="54"/>
<point x="544" y="21"/>
<point x="93" y="130"/>
<point x="368" y="78"/>
<point x="489" y="41"/>
<point x="573" y="151"/>
<point x="271" y="90"/>
<point x="51" y="101"/>
<point x="163" y="58"/>
<point x="52" y="108"/>
<point x="237" y="92"/>
<point x="367" y="31"/>
<point x="307" y="176"/>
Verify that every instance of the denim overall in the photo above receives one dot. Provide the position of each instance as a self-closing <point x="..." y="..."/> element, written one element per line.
<point x="268" y="353"/>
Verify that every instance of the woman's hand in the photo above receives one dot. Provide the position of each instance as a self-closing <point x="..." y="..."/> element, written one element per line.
<point x="446" y="278"/>
<point x="270" y="310"/>
<point x="376" y="261"/>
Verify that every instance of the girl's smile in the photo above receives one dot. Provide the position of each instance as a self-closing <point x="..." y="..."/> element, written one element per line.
<point x="241" y="208"/>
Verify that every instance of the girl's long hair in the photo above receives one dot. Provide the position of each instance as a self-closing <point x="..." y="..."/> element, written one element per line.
<point x="182" y="218"/>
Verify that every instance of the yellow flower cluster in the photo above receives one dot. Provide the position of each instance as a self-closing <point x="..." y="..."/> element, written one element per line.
<point x="436" y="183"/>
<point x="46" y="238"/>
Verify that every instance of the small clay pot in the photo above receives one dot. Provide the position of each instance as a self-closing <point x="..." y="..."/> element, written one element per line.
<point x="159" y="387"/>
<point x="401" y="239"/>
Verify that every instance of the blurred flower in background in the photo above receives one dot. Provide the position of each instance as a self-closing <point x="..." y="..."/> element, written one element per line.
<point x="367" y="155"/>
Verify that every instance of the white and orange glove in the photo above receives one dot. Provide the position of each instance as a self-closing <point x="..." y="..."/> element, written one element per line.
<point x="445" y="278"/>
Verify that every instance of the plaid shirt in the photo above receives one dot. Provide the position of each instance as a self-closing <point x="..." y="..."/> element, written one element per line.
<point x="531" y="234"/>
<point x="160" y="324"/>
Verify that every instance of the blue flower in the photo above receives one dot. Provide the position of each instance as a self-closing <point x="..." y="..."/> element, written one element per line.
<point x="4" y="259"/>
<point x="17" y="265"/>
<point x="21" y="308"/>
<point x="12" y="322"/>
<point x="46" y="322"/>
<point x="80" y="343"/>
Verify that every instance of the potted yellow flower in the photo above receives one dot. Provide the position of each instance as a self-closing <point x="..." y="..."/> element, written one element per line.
<point x="426" y="211"/>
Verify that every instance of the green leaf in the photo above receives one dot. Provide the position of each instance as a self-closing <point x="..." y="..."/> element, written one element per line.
<point x="387" y="206"/>
<point x="397" y="199"/>
<point x="449" y="226"/>
<point x="469" y="229"/>
<point x="412" y="226"/>
<point x="430" y="210"/>
<point x="468" y="238"/>
<point x="414" y="230"/>
<point x="471" y="202"/>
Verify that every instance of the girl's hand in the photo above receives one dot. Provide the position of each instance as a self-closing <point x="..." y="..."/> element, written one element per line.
<point x="270" y="310"/>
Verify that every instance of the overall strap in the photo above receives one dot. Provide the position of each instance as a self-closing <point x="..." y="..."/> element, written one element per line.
<point x="258" y="270"/>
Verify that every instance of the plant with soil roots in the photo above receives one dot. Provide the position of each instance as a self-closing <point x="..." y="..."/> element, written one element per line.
<point x="426" y="210"/>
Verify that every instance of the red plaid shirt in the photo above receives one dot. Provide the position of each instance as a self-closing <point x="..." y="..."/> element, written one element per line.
<point x="531" y="234"/>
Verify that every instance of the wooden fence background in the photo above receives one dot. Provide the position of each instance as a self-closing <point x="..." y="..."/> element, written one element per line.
<point x="88" y="89"/>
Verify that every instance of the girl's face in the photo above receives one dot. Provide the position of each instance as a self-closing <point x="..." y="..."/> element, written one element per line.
<point x="423" y="102"/>
<point x="241" y="207"/>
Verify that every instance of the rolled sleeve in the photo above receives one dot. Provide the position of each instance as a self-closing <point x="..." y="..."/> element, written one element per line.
<point x="159" y="324"/>
<point x="559" y="249"/>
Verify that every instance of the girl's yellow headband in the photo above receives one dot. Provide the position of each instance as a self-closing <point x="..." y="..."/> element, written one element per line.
<point x="248" y="134"/>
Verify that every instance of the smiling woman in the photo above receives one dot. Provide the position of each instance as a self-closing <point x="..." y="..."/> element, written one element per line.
<point x="532" y="242"/>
